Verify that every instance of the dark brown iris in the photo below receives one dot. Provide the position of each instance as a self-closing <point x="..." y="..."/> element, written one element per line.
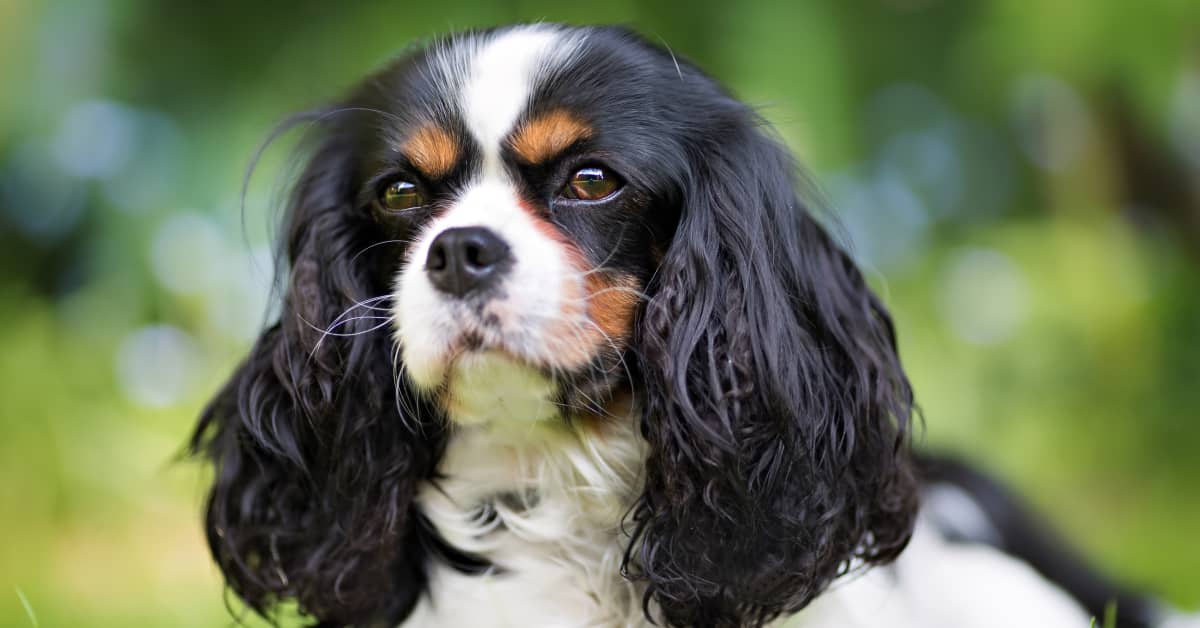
<point x="400" y="195"/>
<point x="591" y="184"/>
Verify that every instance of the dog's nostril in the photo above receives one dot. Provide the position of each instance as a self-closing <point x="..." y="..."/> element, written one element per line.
<point x="475" y="255"/>
<point x="436" y="259"/>
<point x="466" y="259"/>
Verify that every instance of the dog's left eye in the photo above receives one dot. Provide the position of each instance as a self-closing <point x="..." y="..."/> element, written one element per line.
<point x="400" y="195"/>
<point x="591" y="184"/>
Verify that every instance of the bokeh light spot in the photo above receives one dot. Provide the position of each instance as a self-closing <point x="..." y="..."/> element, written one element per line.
<point x="984" y="296"/>
<point x="188" y="254"/>
<point x="1184" y="118"/>
<point x="96" y="139"/>
<point x="157" y="365"/>
<point x="1051" y="121"/>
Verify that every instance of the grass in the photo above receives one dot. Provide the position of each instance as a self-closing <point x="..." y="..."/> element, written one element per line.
<point x="1110" y="616"/>
<point x="27" y="606"/>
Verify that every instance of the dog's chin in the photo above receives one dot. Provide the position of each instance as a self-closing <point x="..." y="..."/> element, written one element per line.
<point x="484" y="385"/>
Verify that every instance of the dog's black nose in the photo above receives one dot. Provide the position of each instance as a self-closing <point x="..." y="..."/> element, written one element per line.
<point x="466" y="260"/>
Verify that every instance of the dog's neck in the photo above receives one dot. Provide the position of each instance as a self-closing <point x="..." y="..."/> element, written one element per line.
<point x="543" y="502"/>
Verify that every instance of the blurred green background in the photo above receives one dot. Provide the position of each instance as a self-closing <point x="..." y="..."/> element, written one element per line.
<point x="1021" y="180"/>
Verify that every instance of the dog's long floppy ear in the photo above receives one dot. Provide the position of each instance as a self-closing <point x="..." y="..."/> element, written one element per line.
<point x="775" y="406"/>
<point x="316" y="446"/>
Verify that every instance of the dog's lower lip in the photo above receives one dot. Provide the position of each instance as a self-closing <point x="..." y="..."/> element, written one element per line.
<point x="473" y="347"/>
<point x="470" y="352"/>
<point x="473" y="342"/>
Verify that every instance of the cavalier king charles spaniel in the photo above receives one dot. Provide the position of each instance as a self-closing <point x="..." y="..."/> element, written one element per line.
<point x="561" y="345"/>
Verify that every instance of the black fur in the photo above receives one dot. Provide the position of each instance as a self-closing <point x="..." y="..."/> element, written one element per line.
<point x="318" y="450"/>
<point x="775" y="406"/>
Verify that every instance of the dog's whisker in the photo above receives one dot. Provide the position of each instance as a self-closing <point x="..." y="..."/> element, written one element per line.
<point x="642" y="296"/>
<point x="365" y="303"/>
<point x="328" y="332"/>
<point x="377" y="244"/>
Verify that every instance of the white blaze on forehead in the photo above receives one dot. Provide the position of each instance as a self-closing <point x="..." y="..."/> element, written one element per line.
<point x="494" y="78"/>
<point x="503" y="74"/>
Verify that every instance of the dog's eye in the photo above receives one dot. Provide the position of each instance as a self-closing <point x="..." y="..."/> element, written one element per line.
<point x="400" y="195"/>
<point x="591" y="184"/>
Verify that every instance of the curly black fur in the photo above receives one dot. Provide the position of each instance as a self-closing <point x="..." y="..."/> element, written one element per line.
<point x="776" y="407"/>
<point x="318" y="448"/>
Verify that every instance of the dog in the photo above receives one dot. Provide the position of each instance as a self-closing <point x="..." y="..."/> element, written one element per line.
<point x="562" y="344"/>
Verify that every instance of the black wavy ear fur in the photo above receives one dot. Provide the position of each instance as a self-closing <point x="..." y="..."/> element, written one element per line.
<point x="776" y="409"/>
<point x="316" y="445"/>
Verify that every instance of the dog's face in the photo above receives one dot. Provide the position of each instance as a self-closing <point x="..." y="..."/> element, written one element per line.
<point x="547" y="219"/>
<point x="526" y="171"/>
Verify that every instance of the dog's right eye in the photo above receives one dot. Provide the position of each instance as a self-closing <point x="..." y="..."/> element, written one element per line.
<point x="400" y="195"/>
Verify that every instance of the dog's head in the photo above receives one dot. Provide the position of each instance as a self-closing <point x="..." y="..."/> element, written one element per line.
<point x="519" y="226"/>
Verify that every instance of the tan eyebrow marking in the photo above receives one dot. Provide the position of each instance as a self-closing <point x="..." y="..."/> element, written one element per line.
<point x="548" y="135"/>
<point x="432" y="150"/>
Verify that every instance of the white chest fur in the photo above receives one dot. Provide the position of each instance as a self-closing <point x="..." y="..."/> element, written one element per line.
<point x="543" y="502"/>
<point x="555" y="536"/>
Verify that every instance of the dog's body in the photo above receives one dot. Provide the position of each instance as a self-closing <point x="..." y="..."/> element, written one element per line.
<point x="629" y="379"/>
<point x="562" y="552"/>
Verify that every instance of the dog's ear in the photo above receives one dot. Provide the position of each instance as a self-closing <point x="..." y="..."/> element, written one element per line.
<point x="775" y="406"/>
<point x="315" y="440"/>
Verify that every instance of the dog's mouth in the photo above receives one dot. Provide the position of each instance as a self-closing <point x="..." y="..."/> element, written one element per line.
<point x="485" y="376"/>
<point x="548" y="345"/>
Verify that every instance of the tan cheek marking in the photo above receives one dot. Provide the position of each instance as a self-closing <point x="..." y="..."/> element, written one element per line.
<point x="432" y="150"/>
<point x="620" y="406"/>
<point x="608" y="299"/>
<point x="548" y="135"/>
<point x="612" y="299"/>
<point x="568" y="346"/>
